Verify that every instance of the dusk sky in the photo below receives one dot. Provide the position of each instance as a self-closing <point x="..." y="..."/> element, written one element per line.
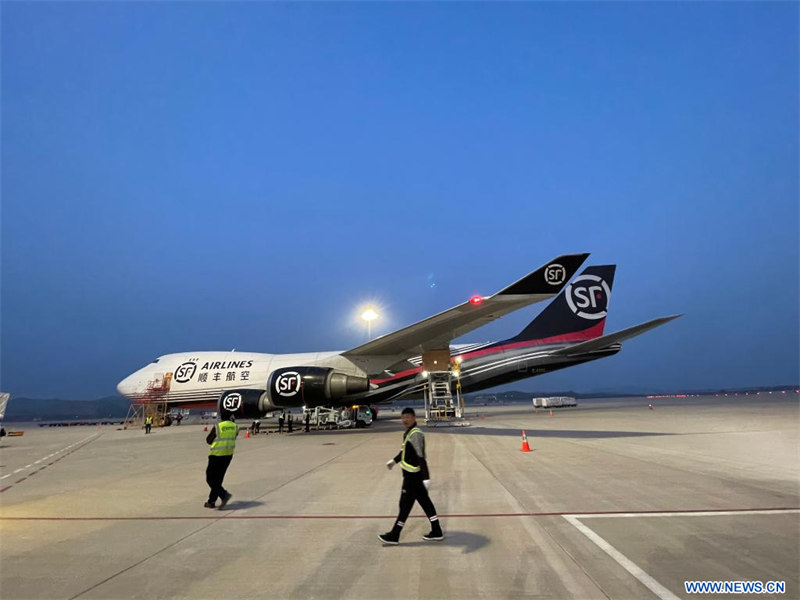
<point x="183" y="176"/>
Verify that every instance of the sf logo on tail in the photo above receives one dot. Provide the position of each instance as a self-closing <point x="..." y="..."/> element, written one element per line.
<point x="588" y="297"/>
<point x="555" y="274"/>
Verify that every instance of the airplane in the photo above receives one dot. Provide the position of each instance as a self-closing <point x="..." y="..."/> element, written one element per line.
<point x="569" y="331"/>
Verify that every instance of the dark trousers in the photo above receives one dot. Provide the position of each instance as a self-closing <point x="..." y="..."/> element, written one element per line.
<point x="215" y="473"/>
<point x="414" y="491"/>
<point x="147" y="427"/>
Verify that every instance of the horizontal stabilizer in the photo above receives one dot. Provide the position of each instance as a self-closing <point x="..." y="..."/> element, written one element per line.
<point x="612" y="338"/>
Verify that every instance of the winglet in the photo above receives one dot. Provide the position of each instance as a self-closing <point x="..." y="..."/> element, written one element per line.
<point x="548" y="279"/>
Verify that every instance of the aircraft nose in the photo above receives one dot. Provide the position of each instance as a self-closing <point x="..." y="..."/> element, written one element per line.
<point x="127" y="387"/>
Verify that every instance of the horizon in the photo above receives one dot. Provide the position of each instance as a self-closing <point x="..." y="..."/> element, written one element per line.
<point x="792" y="388"/>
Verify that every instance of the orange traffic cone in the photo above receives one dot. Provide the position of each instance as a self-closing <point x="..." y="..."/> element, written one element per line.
<point x="247" y="433"/>
<point x="525" y="446"/>
<point x="205" y="427"/>
<point x="551" y="413"/>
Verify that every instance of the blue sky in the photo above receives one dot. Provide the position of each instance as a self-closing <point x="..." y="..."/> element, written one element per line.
<point x="199" y="176"/>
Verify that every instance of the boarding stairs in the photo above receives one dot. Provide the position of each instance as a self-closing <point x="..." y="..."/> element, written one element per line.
<point x="442" y="407"/>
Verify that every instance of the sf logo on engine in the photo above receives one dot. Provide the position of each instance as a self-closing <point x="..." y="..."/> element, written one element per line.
<point x="588" y="296"/>
<point x="288" y="384"/>
<point x="185" y="372"/>
<point x="232" y="402"/>
<point x="555" y="274"/>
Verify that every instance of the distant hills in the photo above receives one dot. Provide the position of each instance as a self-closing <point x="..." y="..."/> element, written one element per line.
<point x="55" y="409"/>
<point x="116" y="407"/>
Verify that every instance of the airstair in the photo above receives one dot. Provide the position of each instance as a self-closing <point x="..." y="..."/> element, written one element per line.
<point x="442" y="407"/>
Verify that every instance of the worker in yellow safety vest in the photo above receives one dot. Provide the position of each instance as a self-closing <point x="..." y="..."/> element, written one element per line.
<point x="416" y="481"/>
<point x="148" y="424"/>
<point x="222" y="439"/>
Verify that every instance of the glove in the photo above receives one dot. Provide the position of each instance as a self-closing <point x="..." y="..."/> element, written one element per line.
<point x="426" y="483"/>
<point x="390" y="464"/>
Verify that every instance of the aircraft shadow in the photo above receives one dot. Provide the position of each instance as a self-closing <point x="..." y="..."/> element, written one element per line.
<point x="469" y="542"/>
<point x="480" y="430"/>
<point x="545" y="433"/>
<point x="300" y="433"/>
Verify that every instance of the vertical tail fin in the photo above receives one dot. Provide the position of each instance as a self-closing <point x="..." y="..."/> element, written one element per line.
<point x="578" y="313"/>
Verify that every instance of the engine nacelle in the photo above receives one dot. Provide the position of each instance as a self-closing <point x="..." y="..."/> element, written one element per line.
<point x="245" y="404"/>
<point x="311" y="386"/>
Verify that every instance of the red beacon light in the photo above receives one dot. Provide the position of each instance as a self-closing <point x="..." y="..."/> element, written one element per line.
<point x="476" y="300"/>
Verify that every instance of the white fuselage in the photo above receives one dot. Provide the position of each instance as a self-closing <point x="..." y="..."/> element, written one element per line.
<point x="201" y="377"/>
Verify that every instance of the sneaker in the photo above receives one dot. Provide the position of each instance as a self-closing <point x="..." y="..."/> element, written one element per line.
<point x="210" y="505"/>
<point x="389" y="538"/>
<point x="433" y="536"/>
<point x="225" y="498"/>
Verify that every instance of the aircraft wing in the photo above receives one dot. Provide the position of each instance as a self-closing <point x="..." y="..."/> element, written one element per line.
<point x="438" y="331"/>
<point x="612" y="338"/>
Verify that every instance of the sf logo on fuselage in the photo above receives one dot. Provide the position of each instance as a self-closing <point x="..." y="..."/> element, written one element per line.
<point x="185" y="372"/>
<point x="232" y="402"/>
<point x="288" y="384"/>
<point x="555" y="274"/>
<point x="588" y="296"/>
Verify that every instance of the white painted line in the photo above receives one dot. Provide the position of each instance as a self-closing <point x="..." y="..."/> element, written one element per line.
<point x="627" y="564"/>
<point x="707" y="513"/>
<point x="53" y="454"/>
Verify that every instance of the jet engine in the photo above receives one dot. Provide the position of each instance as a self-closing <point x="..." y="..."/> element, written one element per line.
<point x="244" y="404"/>
<point x="312" y="386"/>
<point x="292" y="387"/>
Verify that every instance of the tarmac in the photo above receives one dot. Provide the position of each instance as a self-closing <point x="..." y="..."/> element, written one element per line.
<point x="616" y="500"/>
